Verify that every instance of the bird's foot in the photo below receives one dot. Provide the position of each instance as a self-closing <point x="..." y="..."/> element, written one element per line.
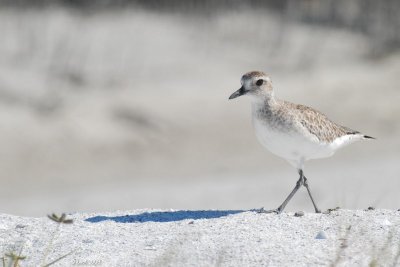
<point x="317" y="210"/>
<point x="276" y="211"/>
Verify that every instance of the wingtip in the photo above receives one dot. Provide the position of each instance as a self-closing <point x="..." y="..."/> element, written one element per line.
<point x="368" y="137"/>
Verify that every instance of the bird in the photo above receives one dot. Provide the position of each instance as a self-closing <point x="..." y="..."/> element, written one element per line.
<point x="294" y="132"/>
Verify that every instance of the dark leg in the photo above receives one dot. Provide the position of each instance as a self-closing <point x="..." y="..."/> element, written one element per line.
<point x="305" y="183"/>
<point x="299" y="183"/>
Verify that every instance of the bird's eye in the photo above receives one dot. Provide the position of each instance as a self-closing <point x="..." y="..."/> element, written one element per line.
<point x="260" y="82"/>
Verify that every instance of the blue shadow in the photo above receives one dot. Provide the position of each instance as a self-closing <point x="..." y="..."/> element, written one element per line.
<point x="165" y="216"/>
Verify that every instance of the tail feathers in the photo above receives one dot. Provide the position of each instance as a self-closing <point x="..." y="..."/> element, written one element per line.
<point x="368" y="137"/>
<point x="352" y="132"/>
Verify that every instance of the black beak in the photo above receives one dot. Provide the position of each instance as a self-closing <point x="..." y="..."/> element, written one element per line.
<point x="239" y="92"/>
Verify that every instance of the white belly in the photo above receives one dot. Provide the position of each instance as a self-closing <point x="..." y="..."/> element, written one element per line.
<point x="290" y="145"/>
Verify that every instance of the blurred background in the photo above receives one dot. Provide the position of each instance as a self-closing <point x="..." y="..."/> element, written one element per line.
<point x="108" y="105"/>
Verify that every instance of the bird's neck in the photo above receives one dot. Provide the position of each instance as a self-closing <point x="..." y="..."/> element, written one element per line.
<point x="264" y="101"/>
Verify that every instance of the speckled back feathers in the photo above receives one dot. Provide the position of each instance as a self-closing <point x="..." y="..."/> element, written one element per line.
<point x="286" y="116"/>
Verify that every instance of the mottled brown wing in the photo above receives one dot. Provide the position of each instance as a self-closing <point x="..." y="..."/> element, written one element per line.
<point x="320" y="125"/>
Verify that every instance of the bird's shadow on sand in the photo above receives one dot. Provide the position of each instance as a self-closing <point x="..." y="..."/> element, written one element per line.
<point x="165" y="216"/>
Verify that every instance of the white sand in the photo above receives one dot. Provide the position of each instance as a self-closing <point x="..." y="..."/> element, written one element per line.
<point x="208" y="238"/>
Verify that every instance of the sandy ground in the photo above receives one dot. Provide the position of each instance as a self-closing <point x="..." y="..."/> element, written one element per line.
<point x="127" y="110"/>
<point x="207" y="238"/>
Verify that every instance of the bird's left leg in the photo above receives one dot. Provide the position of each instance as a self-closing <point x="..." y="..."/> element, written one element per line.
<point x="279" y="210"/>
<point x="305" y="183"/>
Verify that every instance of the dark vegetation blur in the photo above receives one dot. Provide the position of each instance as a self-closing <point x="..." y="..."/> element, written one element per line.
<point x="379" y="20"/>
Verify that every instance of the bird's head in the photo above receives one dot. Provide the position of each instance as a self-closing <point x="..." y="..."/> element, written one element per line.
<point x="256" y="84"/>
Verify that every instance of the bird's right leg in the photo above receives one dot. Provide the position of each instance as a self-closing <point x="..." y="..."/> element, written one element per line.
<point x="305" y="183"/>
<point x="299" y="183"/>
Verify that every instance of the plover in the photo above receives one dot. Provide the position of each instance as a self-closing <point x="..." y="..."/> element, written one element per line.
<point x="294" y="132"/>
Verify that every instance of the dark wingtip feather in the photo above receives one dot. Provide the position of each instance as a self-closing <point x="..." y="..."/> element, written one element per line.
<point x="368" y="137"/>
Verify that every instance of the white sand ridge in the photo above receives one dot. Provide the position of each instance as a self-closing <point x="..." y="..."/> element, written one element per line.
<point x="208" y="238"/>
